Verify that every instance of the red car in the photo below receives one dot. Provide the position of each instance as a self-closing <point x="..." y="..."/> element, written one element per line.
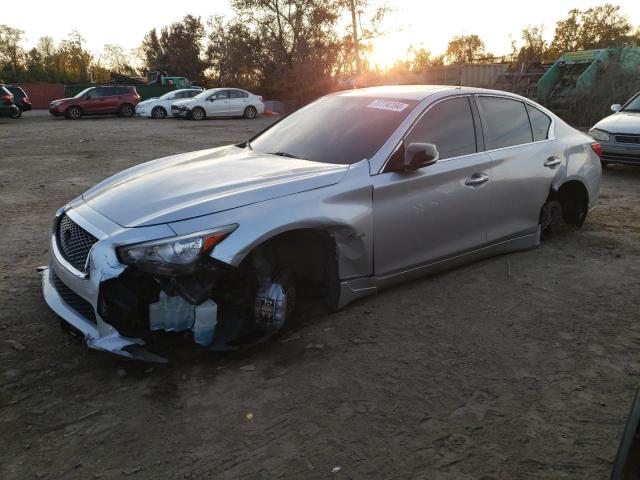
<point x="111" y="99"/>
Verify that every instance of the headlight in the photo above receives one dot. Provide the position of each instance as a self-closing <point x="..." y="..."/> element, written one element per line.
<point x="175" y="254"/>
<point x="599" y="135"/>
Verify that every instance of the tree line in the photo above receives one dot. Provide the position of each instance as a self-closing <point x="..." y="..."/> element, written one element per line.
<point x="290" y="49"/>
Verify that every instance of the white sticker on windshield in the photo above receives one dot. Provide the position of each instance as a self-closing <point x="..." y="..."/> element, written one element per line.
<point x="388" y="105"/>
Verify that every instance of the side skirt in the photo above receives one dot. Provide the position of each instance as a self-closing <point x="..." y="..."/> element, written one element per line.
<point x="354" y="289"/>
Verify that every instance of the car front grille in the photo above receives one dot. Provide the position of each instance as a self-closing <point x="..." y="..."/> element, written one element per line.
<point x="71" y="298"/>
<point x="74" y="242"/>
<point x="634" y="139"/>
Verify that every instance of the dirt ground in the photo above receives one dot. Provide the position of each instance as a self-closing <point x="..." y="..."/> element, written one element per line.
<point x="522" y="366"/>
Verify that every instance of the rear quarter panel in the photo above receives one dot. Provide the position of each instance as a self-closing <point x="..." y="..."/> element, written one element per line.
<point x="582" y="162"/>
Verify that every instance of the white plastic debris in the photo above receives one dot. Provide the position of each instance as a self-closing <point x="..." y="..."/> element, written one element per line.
<point x="174" y="314"/>
<point x="171" y="313"/>
<point x="206" y="319"/>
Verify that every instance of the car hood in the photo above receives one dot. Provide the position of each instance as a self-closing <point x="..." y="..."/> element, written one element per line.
<point x="204" y="182"/>
<point x="148" y="101"/>
<point x="621" y="122"/>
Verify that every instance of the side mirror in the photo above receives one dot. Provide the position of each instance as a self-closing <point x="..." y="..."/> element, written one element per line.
<point x="616" y="107"/>
<point x="418" y="155"/>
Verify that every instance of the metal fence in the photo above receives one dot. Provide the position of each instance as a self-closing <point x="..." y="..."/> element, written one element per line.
<point x="42" y="94"/>
<point x="472" y="75"/>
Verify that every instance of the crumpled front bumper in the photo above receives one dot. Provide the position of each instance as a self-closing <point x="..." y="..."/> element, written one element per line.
<point x="98" y="334"/>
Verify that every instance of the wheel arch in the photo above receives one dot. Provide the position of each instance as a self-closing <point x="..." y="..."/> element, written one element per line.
<point x="573" y="195"/>
<point x="311" y="253"/>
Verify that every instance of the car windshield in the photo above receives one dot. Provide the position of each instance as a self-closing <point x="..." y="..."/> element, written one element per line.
<point x="336" y="129"/>
<point x="203" y="94"/>
<point x="633" y="105"/>
<point x="83" y="92"/>
<point x="168" y="95"/>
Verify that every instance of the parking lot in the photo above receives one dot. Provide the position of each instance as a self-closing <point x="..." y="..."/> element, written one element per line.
<point x="522" y="366"/>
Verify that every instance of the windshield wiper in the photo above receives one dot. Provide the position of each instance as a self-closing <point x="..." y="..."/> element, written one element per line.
<point x="283" y="154"/>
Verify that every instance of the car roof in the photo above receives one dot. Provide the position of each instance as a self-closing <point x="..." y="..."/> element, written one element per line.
<point x="224" y="88"/>
<point x="416" y="92"/>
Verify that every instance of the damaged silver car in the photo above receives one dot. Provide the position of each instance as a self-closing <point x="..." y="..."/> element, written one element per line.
<point x="353" y="192"/>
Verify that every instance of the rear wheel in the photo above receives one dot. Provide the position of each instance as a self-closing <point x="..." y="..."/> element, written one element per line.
<point x="73" y="112"/>
<point x="197" y="113"/>
<point x="158" y="112"/>
<point x="550" y="217"/>
<point x="126" y="110"/>
<point x="250" y="112"/>
<point x="16" y="114"/>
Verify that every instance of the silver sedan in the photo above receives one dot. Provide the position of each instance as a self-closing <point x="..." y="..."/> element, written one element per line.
<point x="619" y="133"/>
<point x="352" y="193"/>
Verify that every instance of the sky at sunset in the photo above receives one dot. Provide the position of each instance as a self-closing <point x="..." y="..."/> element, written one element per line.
<point x="420" y="23"/>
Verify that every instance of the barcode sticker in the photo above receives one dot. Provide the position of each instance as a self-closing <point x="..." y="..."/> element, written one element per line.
<point x="388" y="105"/>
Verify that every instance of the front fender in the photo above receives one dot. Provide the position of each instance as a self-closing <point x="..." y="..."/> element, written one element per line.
<point x="343" y="210"/>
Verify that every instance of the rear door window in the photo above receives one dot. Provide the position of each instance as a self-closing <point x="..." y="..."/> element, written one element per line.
<point x="238" y="94"/>
<point x="108" y="91"/>
<point x="506" y="122"/>
<point x="540" y="123"/>
<point x="448" y="125"/>
<point x="17" y="92"/>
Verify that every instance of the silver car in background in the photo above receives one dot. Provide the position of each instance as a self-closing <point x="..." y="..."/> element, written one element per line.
<point x="619" y="134"/>
<point x="219" y="102"/>
<point x="354" y="192"/>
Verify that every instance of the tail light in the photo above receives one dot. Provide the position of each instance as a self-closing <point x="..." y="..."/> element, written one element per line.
<point x="25" y="99"/>
<point x="259" y="98"/>
<point x="596" y="147"/>
<point x="7" y="98"/>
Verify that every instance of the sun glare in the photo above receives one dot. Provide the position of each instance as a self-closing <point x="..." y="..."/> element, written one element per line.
<point x="385" y="54"/>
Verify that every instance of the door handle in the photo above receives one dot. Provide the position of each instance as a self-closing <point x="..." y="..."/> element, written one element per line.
<point x="476" y="179"/>
<point x="552" y="162"/>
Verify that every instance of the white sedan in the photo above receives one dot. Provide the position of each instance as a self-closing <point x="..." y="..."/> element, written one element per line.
<point x="219" y="102"/>
<point x="159" y="107"/>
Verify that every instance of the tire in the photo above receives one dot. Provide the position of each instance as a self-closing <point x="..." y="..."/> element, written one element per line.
<point x="17" y="114"/>
<point x="158" y="113"/>
<point x="197" y="113"/>
<point x="550" y="217"/>
<point x="74" y="112"/>
<point x="250" y="112"/>
<point x="126" y="110"/>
